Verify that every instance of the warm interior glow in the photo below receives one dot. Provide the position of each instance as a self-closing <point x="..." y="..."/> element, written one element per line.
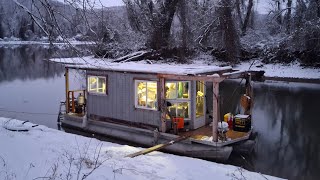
<point x="146" y="94"/>
<point x="200" y="99"/>
<point x="178" y="94"/>
<point x="180" y="109"/>
<point x="97" y="84"/>
<point x="177" y="90"/>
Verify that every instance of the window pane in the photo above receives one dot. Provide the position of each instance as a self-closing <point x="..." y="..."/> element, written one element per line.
<point x="152" y="95"/>
<point x="171" y="91"/>
<point x="200" y="99"/>
<point x="102" y="85"/>
<point x="97" y="84"/>
<point x="93" y="81"/>
<point x="180" y="109"/>
<point x="183" y="109"/>
<point x="141" y="93"/>
<point x="183" y="90"/>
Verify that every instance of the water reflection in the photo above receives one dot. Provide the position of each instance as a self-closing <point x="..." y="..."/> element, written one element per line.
<point x="286" y="118"/>
<point x="27" y="62"/>
<point x="30" y="84"/>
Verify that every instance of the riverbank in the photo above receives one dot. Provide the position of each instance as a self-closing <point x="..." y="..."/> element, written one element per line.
<point x="42" y="152"/>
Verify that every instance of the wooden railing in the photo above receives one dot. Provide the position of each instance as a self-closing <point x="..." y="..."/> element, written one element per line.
<point x="72" y="102"/>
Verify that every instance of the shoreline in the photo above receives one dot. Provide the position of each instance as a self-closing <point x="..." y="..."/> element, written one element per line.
<point x="293" y="79"/>
<point x="50" y="150"/>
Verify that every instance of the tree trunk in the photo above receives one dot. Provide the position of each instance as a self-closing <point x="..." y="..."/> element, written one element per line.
<point x="161" y="31"/>
<point x="247" y="18"/>
<point x="230" y="36"/>
<point x="288" y="16"/>
<point x="238" y="8"/>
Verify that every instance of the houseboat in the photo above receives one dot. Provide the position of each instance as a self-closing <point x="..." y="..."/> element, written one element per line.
<point x="150" y="104"/>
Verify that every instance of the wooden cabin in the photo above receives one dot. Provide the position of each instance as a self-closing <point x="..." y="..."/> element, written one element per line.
<point x="148" y="104"/>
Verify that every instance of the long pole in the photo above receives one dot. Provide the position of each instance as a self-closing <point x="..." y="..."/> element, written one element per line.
<point x="67" y="89"/>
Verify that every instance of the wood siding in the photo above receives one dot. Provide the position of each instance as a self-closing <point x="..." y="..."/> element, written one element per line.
<point x="119" y="102"/>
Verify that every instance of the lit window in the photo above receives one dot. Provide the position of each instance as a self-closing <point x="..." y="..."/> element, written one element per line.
<point x="146" y="94"/>
<point x="97" y="84"/>
<point x="178" y="94"/>
<point x="177" y="90"/>
<point x="200" y="99"/>
<point x="180" y="109"/>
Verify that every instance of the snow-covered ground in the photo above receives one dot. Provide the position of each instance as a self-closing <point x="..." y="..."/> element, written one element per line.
<point x="42" y="152"/>
<point x="293" y="70"/>
<point x="18" y="42"/>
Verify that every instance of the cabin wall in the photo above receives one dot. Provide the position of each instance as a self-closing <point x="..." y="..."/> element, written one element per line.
<point x="119" y="103"/>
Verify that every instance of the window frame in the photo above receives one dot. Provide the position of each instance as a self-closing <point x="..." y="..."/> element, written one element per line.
<point x="98" y="76"/>
<point x="136" y="81"/>
<point x="181" y="100"/>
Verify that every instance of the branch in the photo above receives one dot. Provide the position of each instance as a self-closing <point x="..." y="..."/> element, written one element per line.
<point x="33" y="17"/>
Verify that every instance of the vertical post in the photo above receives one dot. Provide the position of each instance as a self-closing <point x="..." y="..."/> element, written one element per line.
<point x="73" y="105"/>
<point x="67" y="89"/>
<point x="215" y="111"/>
<point x="163" y="105"/>
<point x="249" y="92"/>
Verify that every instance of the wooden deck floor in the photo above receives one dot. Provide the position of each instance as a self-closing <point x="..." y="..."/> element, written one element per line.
<point x="206" y="131"/>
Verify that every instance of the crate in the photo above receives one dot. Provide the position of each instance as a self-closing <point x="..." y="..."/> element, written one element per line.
<point x="242" y="123"/>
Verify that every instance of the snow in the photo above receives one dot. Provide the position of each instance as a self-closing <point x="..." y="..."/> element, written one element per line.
<point x="293" y="70"/>
<point x="198" y="66"/>
<point x="44" y="152"/>
<point x="141" y="66"/>
<point x="44" y="42"/>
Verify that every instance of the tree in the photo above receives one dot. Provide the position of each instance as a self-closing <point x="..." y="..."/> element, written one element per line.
<point x="230" y="38"/>
<point x="247" y="17"/>
<point x="155" y="17"/>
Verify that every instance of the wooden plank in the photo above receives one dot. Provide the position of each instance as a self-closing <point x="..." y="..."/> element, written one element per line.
<point x="157" y="147"/>
<point x="212" y="78"/>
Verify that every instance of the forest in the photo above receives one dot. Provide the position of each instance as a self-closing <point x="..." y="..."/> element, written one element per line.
<point x="227" y="30"/>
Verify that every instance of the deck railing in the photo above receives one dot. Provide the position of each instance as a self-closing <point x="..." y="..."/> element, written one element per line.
<point x="73" y="103"/>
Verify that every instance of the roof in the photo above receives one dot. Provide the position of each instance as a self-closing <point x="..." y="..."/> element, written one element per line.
<point x="91" y="63"/>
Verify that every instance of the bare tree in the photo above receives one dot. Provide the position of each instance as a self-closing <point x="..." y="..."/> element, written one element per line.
<point x="247" y="17"/>
<point x="229" y="35"/>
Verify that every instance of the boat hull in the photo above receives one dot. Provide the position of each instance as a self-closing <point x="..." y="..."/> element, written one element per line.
<point x="147" y="138"/>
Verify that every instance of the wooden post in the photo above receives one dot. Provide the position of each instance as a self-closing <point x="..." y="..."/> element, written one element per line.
<point x="163" y="105"/>
<point x="67" y="89"/>
<point x="73" y="105"/>
<point x="215" y="115"/>
<point x="249" y="92"/>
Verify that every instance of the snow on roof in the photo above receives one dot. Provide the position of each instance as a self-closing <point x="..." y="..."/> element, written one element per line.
<point x="141" y="66"/>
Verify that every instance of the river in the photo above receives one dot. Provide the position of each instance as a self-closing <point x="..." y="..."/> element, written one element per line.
<point x="285" y="114"/>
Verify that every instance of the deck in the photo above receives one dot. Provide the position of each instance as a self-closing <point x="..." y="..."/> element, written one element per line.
<point x="202" y="135"/>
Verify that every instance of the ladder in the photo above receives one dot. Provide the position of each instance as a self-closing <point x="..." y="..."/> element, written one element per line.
<point x="62" y="112"/>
